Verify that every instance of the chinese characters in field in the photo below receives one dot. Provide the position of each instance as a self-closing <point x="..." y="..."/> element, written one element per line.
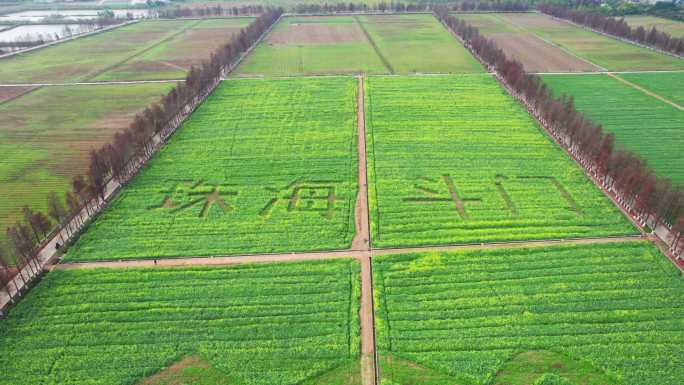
<point x="205" y="199"/>
<point x="444" y="189"/>
<point x="198" y="197"/>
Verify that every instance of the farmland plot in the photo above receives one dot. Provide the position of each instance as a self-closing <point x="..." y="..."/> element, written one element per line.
<point x="673" y="27"/>
<point x="604" y="51"/>
<point x="172" y="59"/>
<point x="46" y="135"/>
<point x="84" y="58"/>
<point x="417" y="43"/>
<point x="9" y="93"/>
<point x="533" y="52"/>
<point x="261" y="166"/>
<point x="640" y="122"/>
<point x="251" y="324"/>
<point x="543" y="44"/>
<point x="453" y="159"/>
<point x="313" y="45"/>
<point x="599" y="314"/>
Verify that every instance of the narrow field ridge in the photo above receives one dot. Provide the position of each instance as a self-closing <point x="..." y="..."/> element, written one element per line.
<point x="647" y="92"/>
<point x="375" y="46"/>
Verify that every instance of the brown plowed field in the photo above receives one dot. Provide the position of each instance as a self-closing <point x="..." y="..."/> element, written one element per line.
<point x="536" y="55"/>
<point x="9" y="93"/>
<point x="532" y="20"/>
<point x="318" y="34"/>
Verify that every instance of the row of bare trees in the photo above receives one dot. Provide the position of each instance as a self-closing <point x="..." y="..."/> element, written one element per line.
<point x="326" y="8"/>
<point x="211" y="10"/>
<point x="422" y="6"/>
<point x="649" y="198"/>
<point x="116" y="162"/>
<point x="618" y="27"/>
<point x="486" y="6"/>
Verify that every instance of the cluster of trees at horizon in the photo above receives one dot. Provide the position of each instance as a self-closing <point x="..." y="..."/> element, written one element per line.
<point x="665" y="9"/>
<point x="120" y="159"/>
<point x="397" y="6"/>
<point x="216" y="10"/>
<point x="617" y="27"/>
<point x="650" y="198"/>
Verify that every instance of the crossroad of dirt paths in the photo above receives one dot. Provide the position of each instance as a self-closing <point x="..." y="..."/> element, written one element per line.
<point x="361" y="250"/>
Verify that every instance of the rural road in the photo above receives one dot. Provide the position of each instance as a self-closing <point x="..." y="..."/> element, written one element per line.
<point x="367" y="321"/>
<point x="319" y="255"/>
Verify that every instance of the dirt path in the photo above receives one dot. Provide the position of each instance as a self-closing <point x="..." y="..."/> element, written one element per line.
<point x="319" y="255"/>
<point x="361" y="240"/>
<point x="644" y="90"/>
<point x="48" y="252"/>
<point x="367" y="318"/>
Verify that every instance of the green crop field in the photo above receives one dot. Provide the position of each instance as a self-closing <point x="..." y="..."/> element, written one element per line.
<point x="602" y="50"/>
<point x="251" y="324"/>
<point x="642" y="123"/>
<point x="454" y="159"/>
<point x="673" y="27"/>
<point x="312" y="45"/>
<point x="144" y="50"/>
<point x="602" y="314"/>
<point x="261" y="166"/>
<point x="45" y="137"/>
<point x="172" y="58"/>
<point x="665" y="84"/>
<point x="418" y="43"/>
